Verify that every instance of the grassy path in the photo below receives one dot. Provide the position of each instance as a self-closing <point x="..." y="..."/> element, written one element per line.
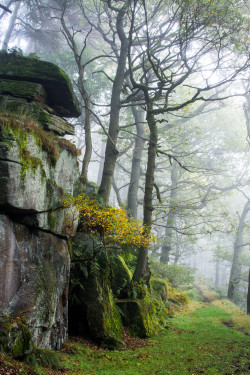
<point x="196" y="342"/>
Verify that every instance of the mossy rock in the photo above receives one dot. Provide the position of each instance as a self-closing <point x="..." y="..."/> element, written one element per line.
<point x="55" y="81"/>
<point x="139" y="316"/>
<point x="159" y="288"/>
<point x="121" y="274"/>
<point x="15" y="336"/>
<point x="37" y="112"/>
<point x="103" y="316"/>
<point x="23" y="89"/>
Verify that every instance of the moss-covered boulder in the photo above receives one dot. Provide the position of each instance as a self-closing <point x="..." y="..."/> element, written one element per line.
<point x="103" y="317"/>
<point x="56" y="83"/>
<point x="121" y="274"/>
<point x="140" y="317"/>
<point x="93" y="311"/>
<point x="15" y="336"/>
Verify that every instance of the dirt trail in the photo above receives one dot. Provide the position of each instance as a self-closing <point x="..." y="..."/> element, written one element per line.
<point x="204" y="298"/>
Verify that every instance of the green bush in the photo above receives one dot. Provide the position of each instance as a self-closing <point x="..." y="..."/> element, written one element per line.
<point x="178" y="275"/>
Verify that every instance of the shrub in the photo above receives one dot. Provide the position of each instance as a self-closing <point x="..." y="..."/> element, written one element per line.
<point x="178" y="275"/>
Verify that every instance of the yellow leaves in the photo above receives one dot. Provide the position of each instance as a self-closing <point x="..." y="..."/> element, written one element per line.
<point x="242" y="41"/>
<point x="111" y="223"/>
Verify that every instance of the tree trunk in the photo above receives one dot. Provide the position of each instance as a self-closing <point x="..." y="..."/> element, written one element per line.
<point x="167" y="247"/>
<point x="88" y="140"/>
<point x="11" y="26"/>
<point x="101" y="163"/>
<point x="111" y="152"/>
<point x="248" y="294"/>
<point x="140" y="273"/>
<point x="247" y="113"/>
<point x="217" y="273"/>
<point x="132" y="205"/>
<point x="233" y="287"/>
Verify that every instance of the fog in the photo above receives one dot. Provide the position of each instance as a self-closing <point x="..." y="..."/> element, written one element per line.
<point x="197" y="87"/>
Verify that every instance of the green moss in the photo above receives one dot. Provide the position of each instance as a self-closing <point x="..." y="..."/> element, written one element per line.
<point x="46" y="290"/>
<point x="51" y="221"/>
<point x="112" y="323"/>
<point x="22" y="343"/>
<point x="15" y="336"/>
<point x="54" y="80"/>
<point x="140" y="317"/>
<point x="22" y="129"/>
<point x="121" y="275"/>
<point x="21" y="89"/>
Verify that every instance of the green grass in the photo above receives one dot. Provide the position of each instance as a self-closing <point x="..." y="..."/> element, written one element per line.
<point x="195" y="343"/>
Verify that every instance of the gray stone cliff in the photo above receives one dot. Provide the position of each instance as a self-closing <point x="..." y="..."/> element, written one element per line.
<point x="37" y="169"/>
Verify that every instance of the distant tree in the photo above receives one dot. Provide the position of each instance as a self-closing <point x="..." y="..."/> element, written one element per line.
<point x="235" y="275"/>
<point x="248" y="294"/>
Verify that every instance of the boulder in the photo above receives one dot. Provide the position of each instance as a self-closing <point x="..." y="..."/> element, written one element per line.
<point x="140" y="317"/>
<point x="104" y="320"/>
<point x="92" y="311"/>
<point x="121" y="275"/>
<point x="57" y="85"/>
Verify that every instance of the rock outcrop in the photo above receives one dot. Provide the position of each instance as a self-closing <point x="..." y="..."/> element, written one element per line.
<point x="37" y="169"/>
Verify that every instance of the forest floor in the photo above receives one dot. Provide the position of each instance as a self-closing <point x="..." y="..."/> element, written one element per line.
<point x="210" y="338"/>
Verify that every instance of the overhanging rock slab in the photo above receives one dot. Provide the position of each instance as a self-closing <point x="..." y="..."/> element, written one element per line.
<point x="56" y="83"/>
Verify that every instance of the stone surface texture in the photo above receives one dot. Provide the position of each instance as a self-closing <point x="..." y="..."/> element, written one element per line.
<point x="37" y="169"/>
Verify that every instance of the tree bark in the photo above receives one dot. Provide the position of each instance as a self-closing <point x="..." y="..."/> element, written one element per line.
<point x="246" y="108"/>
<point x="11" y="26"/>
<point x="167" y="247"/>
<point x="101" y="163"/>
<point x="233" y="287"/>
<point x="248" y="294"/>
<point x="140" y="273"/>
<point x="132" y="205"/>
<point x="111" y="152"/>
<point x="88" y="139"/>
